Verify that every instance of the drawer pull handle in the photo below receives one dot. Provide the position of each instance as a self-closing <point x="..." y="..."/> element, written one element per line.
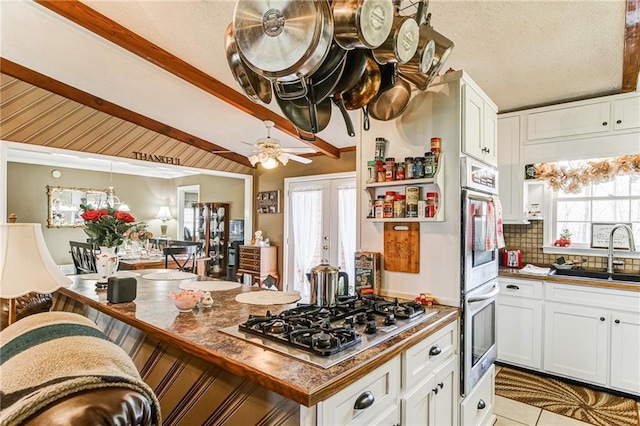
<point x="365" y="400"/>
<point x="482" y="405"/>
<point x="435" y="350"/>
<point x="513" y="287"/>
<point x="617" y="321"/>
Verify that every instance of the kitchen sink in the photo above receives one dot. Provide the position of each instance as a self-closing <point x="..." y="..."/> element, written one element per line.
<point x="583" y="273"/>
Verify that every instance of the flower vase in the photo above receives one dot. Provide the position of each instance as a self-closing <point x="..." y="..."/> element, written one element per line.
<point x="106" y="265"/>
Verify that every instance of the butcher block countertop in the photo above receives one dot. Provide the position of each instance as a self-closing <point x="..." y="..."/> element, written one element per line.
<point x="199" y="333"/>
<point x="592" y="282"/>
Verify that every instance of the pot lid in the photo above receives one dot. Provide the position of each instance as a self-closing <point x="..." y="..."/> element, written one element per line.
<point x="375" y="21"/>
<point x="428" y="52"/>
<point x="324" y="267"/>
<point x="276" y="35"/>
<point x="407" y="40"/>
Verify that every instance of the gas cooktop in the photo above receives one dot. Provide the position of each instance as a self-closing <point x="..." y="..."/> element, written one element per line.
<point x="325" y="336"/>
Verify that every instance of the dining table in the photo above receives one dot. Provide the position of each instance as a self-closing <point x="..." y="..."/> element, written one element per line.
<point x="154" y="261"/>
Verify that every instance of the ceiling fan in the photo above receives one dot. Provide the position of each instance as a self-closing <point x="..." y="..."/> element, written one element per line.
<point x="269" y="152"/>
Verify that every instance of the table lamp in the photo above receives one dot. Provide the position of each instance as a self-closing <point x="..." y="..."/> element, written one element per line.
<point x="164" y="214"/>
<point x="25" y="264"/>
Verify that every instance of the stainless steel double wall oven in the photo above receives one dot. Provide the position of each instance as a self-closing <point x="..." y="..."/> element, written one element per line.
<point x="479" y="287"/>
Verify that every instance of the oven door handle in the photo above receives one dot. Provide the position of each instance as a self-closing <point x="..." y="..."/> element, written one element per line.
<point x="485" y="296"/>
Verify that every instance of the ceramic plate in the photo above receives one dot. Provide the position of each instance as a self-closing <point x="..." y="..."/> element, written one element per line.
<point x="568" y="265"/>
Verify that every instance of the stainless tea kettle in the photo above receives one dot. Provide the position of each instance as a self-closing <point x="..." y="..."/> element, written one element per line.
<point x="324" y="280"/>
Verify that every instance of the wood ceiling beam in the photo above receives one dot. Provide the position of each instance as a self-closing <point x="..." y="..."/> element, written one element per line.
<point x="631" y="56"/>
<point x="59" y="88"/>
<point x="99" y="24"/>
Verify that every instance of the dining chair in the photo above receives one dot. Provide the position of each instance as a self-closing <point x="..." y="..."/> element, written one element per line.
<point x="184" y="257"/>
<point x="180" y="243"/>
<point x="84" y="258"/>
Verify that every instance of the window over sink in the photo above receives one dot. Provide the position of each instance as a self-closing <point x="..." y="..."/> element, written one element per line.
<point x="572" y="214"/>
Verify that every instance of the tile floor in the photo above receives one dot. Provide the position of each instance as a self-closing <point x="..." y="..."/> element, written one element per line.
<point x="515" y="413"/>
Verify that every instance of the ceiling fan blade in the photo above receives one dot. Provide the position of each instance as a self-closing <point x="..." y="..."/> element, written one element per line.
<point x="303" y="150"/>
<point x="299" y="159"/>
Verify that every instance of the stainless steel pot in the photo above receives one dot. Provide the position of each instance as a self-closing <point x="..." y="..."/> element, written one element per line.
<point x="283" y="39"/>
<point x="402" y="42"/>
<point x="324" y="280"/>
<point x="362" y="23"/>
<point x="431" y="62"/>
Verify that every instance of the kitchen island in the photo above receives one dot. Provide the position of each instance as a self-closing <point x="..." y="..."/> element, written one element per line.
<point x="201" y="374"/>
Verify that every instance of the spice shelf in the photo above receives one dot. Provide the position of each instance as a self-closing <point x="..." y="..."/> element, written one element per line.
<point x="435" y="184"/>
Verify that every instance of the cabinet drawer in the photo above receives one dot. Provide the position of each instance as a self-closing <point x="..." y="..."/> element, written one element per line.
<point x="421" y="359"/>
<point x="482" y="396"/>
<point x="593" y="296"/>
<point x="382" y="383"/>
<point x="530" y="289"/>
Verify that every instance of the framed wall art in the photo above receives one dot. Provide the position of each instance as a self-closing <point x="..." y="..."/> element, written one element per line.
<point x="268" y="202"/>
<point x="600" y="236"/>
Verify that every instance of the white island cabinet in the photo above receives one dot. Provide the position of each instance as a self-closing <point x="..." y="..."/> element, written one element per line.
<point x="589" y="333"/>
<point x="417" y="387"/>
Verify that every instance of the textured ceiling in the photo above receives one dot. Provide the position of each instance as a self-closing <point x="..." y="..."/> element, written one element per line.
<point x="522" y="53"/>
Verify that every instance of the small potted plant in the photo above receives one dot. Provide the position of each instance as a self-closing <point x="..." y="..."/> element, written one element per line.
<point x="565" y="238"/>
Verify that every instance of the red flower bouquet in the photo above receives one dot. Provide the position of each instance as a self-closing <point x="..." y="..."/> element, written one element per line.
<point x="106" y="227"/>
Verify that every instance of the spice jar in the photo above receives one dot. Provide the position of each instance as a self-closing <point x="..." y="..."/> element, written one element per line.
<point x="378" y="207"/>
<point x="435" y="147"/>
<point x="381" y="147"/>
<point x="429" y="164"/>
<point x="408" y="167"/>
<point x="412" y="198"/>
<point x="400" y="171"/>
<point x="371" y="171"/>
<point x="418" y="172"/>
<point x="380" y="171"/>
<point x="390" y="169"/>
<point x="432" y="204"/>
<point x="387" y="209"/>
<point x="398" y="205"/>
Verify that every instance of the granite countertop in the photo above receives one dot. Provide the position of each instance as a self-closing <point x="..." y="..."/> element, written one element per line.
<point x="199" y="333"/>
<point x="592" y="282"/>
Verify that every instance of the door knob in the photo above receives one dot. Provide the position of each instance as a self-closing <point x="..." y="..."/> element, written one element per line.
<point x="435" y="350"/>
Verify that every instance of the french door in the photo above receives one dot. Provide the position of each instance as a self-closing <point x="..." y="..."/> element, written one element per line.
<point x="320" y="223"/>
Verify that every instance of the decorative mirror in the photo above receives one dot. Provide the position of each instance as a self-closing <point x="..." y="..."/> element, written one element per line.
<point x="64" y="205"/>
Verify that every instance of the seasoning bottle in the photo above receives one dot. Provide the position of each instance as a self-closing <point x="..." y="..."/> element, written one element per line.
<point x="418" y="172"/>
<point x="371" y="171"/>
<point x="400" y="171"/>
<point x="381" y="147"/>
<point x="435" y="147"/>
<point x="379" y="207"/>
<point x="398" y="205"/>
<point x="380" y="171"/>
<point x="413" y="196"/>
<point x="390" y="169"/>
<point x="432" y="204"/>
<point x="387" y="209"/>
<point x="429" y="164"/>
<point x="408" y="167"/>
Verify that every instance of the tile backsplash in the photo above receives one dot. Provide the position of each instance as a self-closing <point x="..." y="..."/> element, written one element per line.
<point x="529" y="239"/>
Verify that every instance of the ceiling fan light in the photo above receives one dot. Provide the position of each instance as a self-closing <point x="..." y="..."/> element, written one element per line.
<point x="270" y="163"/>
<point x="283" y="158"/>
<point x="254" y="159"/>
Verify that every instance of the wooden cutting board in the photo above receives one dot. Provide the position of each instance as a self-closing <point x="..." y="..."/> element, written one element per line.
<point x="402" y="247"/>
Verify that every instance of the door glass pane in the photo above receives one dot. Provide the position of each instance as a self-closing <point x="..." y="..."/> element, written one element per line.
<point x="482" y="333"/>
<point x="306" y="221"/>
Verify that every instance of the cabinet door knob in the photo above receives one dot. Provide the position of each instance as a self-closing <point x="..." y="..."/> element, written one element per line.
<point x="435" y="390"/>
<point x="604" y="123"/>
<point x="617" y="321"/>
<point x="435" y="350"/>
<point x="365" y="400"/>
<point x="601" y="318"/>
<point x="513" y="287"/>
<point x="618" y="121"/>
<point x="481" y="404"/>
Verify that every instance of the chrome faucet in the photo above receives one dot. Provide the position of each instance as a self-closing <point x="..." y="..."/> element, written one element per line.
<point x="632" y="244"/>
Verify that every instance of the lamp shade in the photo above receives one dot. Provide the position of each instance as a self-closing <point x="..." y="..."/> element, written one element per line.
<point x="164" y="213"/>
<point x="25" y="263"/>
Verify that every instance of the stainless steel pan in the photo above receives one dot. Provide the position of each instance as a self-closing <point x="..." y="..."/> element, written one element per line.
<point x="253" y="85"/>
<point x="393" y="98"/>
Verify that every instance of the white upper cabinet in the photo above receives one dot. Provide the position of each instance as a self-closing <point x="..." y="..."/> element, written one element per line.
<point x="568" y="121"/>
<point x="511" y="170"/>
<point x="479" y="127"/>
<point x="626" y="114"/>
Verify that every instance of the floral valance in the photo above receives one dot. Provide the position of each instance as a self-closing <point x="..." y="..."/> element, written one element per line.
<point x="572" y="179"/>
